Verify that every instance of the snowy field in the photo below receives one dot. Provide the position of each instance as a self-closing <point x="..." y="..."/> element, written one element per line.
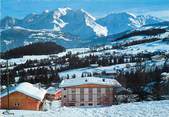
<point x="150" y="65"/>
<point x="137" y="109"/>
<point x="23" y="59"/>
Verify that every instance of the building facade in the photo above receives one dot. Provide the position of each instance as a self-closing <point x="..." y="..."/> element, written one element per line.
<point x="20" y="101"/>
<point x="88" y="91"/>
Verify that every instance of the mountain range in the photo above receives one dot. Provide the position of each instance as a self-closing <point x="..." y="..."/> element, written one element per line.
<point x="68" y="27"/>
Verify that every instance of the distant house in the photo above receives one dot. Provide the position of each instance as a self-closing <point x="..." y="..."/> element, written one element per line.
<point x="24" y="96"/>
<point x="94" y="65"/>
<point x="53" y="93"/>
<point x="58" y="94"/>
<point x="88" y="91"/>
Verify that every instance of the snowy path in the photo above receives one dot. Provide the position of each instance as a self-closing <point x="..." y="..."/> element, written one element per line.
<point x="138" y="109"/>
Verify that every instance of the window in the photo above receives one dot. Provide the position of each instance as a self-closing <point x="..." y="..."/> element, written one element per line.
<point x="90" y="94"/>
<point x="81" y="90"/>
<point x="17" y="104"/>
<point x="98" y="95"/>
<point x="73" y="91"/>
<point x="108" y="91"/>
<point x="98" y="90"/>
<point x="64" y="96"/>
<point x="71" y="104"/>
<point x="81" y="94"/>
<point x="82" y="104"/>
<point x="73" y="97"/>
<point x="90" y="104"/>
<point x="98" y="103"/>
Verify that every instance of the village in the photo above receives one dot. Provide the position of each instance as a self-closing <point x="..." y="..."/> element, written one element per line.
<point x="83" y="79"/>
<point x="88" y="91"/>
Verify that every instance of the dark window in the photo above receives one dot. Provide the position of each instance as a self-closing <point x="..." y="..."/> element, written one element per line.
<point x="73" y="91"/>
<point x="98" y="90"/>
<point x="107" y="90"/>
<point x="90" y="104"/>
<point x="81" y="104"/>
<point x="98" y="103"/>
<point x="81" y="94"/>
<point x="99" y="95"/>
<point x="64" y="96"/>
<point x="90" y="94"/>
<point x="71" y="104"/>
<point x="73" y="97"/>
<point x="17" y="104"/>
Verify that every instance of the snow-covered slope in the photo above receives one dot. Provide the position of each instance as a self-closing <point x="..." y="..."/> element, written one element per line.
<point x="120" y="22"/>
<point x="78" y="22"/>
<point x="137" y="109"/>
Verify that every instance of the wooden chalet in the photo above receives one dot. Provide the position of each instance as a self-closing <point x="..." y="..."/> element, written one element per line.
<point x="24" y="96"/>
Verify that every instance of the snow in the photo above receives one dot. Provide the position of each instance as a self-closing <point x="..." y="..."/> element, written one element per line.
<point x="66" y="19"/>
<point x="137" y="109"/>
<point x="123" y="21"/>
<point x="27" y="89"/>
<point x="89" y="80"/>
<point x="23" y="59"/>
<point x="98" y="29"/>
<point x="51" y="90"/>
<point x="107" y="69"/>
<point x="165" y="76"/>
<point x="73" y="51"/>
<point x="148" y="47"/>
<point x="7" y="42"/>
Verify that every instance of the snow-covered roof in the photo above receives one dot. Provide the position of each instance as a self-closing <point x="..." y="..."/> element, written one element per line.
<point x="27" y="89"/>
<point x="51" y="90"/>
<point x="89" y="80"/>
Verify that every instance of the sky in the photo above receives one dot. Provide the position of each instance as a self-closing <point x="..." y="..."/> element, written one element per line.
<point x="98" y="8"/>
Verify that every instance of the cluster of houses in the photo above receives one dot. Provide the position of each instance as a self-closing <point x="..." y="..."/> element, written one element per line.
<point x="87" y="91"/>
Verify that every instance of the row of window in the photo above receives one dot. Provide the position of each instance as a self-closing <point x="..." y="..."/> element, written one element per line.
<point x="82" y="104"/>
<point x="19" y="104"/>
<point x="90" y="94"/>
<point x="73" y="90"/>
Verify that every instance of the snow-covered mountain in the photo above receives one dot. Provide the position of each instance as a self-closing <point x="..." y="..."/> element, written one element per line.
<point x="120" y="22"/>
<point x="71" y="28"/>
<point x="81" y="23"/>
<point x="76" y="22"/>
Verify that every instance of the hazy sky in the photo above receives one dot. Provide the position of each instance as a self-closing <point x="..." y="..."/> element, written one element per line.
<point x="98" y="8"/>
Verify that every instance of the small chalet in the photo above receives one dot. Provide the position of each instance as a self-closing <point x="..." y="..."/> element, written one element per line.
<point x="24" y="96"/>
<point x="53" y="93"/>
<point x="88" y="91"/>
<point x="58" y="94"/>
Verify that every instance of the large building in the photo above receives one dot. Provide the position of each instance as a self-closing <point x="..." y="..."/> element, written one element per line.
<point x="88" y="91"/>
<point x="24" y="96"/>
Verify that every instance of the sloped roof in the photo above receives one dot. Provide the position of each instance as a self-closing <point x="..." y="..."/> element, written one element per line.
<point x="27" y="89"/>
<point x="89" y="80"/>
<point x="51" y="90"/>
